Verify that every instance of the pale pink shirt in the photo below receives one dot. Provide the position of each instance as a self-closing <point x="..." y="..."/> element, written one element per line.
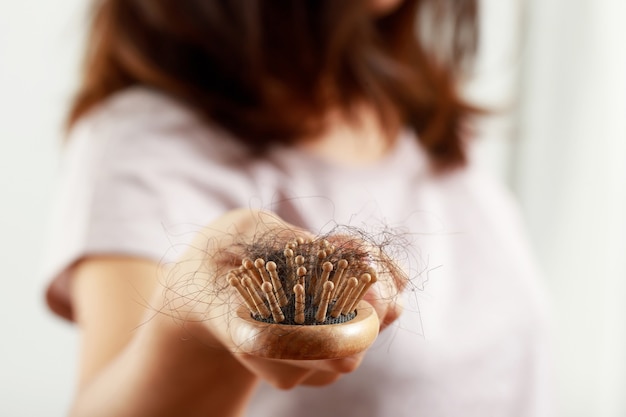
<point x="141" y="173"/>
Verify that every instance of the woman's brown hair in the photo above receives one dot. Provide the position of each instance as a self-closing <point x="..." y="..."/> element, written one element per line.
<point x="268" y="71"/>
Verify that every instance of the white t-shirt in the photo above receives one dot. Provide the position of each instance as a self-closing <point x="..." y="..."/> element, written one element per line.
<point x="142" y="173"/>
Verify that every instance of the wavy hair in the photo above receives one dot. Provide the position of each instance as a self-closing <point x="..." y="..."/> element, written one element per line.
<point x="268" y="71"/>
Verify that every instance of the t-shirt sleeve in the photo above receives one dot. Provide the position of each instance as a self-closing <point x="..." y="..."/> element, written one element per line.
<point x="139" y="176"/>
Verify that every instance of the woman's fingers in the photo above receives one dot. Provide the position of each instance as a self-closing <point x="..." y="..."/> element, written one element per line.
<point x="384" y="296"/>
<point x="276" y="372"/>
<point x="287" y="374"/>
<point x="320" y="379"/>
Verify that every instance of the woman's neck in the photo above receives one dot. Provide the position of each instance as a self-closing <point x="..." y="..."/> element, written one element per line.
<point x="357" y="140"/>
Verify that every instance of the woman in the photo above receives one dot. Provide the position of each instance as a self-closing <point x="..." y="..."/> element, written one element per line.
<point x="245" y="116"/>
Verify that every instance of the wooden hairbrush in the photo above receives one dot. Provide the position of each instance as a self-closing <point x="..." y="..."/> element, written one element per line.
<point x="304" y="300"/>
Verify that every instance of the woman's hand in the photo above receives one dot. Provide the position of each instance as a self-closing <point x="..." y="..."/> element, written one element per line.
<point x="197" y="294"/>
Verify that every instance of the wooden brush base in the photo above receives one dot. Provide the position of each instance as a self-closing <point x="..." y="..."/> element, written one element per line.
<point x="305" y="342"/>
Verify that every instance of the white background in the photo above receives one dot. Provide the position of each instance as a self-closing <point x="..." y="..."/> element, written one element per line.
<point x="39" y="53"/>
<point x="557" y="66"/>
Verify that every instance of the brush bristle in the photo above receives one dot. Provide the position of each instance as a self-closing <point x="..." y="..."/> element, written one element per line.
<point x="304" y="283"/>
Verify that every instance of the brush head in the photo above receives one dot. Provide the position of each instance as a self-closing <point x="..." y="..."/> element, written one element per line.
<point x="304" y="300"/>
<point x="304" y="283"/>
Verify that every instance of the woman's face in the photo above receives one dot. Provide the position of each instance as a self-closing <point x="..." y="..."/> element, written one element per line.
<point x="382" y="7"/>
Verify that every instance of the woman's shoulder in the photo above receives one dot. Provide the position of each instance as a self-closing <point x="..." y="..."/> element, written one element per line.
<point x="138" y="101"/>
<point x="144" y="120"/>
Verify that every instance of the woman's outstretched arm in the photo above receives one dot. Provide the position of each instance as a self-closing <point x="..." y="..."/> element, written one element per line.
<point x="150" y="349"/>
<point x="138" y="363"/>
